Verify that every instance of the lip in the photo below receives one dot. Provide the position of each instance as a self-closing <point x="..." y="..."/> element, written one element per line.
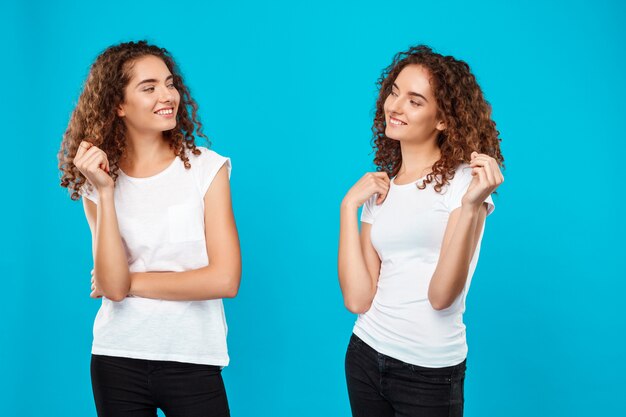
<point x="395" y="122"/>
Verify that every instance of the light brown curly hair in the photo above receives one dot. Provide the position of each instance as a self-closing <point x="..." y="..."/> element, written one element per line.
<point x="461" y="105"/>
<point x="95" y="117"/>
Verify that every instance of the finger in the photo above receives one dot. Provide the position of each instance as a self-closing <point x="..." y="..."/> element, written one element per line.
<point x="105" y="165"/>
<point x="382" y="194"/>
<point x="480" y="160"/>
<point x="95" y="150"/>
<point x="487" y="164"/>
<point x="373" y="178"/>
<point x="372" y="181"/>
<point x="83" y="146"/>
<point x="91" y="164"/>
<point x="106" y="160"/>
<point x="381" y="175"/>
<point x="488" y="168"/>
<point x="480" y="155"/>
<point x="496" y="172"/>
<point x="482" y="178"/>
<point x="385" y="184"/>
<point x="97" y="160"/>
<point x="88" y="152"/>
<point x="473" y="155"/>
<point x="86" y="157"/>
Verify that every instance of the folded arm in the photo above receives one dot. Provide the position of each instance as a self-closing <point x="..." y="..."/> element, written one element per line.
<point x="221" y="278"/>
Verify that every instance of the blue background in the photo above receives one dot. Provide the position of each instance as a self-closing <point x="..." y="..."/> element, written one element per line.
<point x="287" y="91"/>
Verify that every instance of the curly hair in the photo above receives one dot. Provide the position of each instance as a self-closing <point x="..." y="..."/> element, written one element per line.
<point x="95" y="117"/>
<point x="461" y="106"/>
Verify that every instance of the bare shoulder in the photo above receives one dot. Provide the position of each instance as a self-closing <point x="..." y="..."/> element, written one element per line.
<point x="218" y="193"/>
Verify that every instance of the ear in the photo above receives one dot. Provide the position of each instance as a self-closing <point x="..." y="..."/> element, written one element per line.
<point x="441" y="126"/>
<point x="120" y="111"/>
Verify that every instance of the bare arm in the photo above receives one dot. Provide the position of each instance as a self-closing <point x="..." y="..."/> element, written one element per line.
<point x="358" y="262"/>
<point x="462" y="234"/>
<point x="221" y="278"/>
<point x="110" y="263"/>
<point x="464" y="227"/>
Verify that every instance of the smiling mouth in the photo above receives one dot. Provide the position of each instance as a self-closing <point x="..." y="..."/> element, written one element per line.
<point x="165" y="112"/>
<point x="396" y="122"/>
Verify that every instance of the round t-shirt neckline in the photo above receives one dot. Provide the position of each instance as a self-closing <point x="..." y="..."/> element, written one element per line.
<point x="414" y="183"/>
<point x="151" y="177"/>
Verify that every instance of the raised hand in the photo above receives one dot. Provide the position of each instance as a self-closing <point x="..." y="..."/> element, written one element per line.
<point x="93" y="163"/>
<point x="369" y="184"/>
<point x="487" y="177"/>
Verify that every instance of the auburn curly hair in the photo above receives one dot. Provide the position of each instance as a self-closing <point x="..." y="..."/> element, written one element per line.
<point x="95" y="117"/>
<point x="461" y="106"/>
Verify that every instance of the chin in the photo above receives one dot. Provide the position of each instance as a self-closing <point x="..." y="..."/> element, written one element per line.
<point x="169" y="126"/>
<point x="391" y="135"/>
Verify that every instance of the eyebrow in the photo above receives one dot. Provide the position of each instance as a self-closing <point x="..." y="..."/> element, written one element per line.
<point x="411" y="93"/>
<point x="153" y="80"/>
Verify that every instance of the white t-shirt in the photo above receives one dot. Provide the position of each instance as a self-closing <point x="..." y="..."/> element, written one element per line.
<point x="161" y="222"/>
<point x="407" y="233"/>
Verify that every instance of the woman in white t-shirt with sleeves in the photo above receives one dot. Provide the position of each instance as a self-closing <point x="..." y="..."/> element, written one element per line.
<point x="408" y="271"/>
<point x="165" y="244"/>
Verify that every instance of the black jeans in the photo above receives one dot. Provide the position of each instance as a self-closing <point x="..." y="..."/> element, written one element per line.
<point x="381" y="386"/>
<point x="137" y="387"/>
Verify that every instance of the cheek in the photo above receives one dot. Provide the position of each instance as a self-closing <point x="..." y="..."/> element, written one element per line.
<point x="140" y="103"/>
<point x="424" y="117"/>
<point x="386" y="105"/>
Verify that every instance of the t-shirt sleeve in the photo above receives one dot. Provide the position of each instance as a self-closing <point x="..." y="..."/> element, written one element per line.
<point x="458" y="187"/>
<point x="210" y="166"/>
<point x="369" y="210"/>
<point x="89" y="192"/>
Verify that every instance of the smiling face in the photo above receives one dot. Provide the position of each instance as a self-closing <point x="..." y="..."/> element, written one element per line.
<point x="411" y="112"/>
<point x="150" y="98"/>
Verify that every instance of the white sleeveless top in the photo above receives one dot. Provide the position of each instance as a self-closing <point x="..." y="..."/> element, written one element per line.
<point x="407" y="233"/>
<point x="161" y="222"/>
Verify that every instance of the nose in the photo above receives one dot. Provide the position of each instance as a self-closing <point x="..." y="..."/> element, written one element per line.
<point x="166" y="95"/>
<point x="394" y="105"/>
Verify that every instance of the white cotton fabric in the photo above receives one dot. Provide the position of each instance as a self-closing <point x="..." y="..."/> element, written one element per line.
<point x="161" y="222"/>
<point x="407" y="232"/>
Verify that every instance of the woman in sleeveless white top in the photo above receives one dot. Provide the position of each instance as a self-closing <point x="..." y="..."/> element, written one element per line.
<point x="165" y="244"/>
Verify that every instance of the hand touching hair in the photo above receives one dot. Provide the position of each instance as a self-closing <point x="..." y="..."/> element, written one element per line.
<point x="466" y="113"/>
<point x="95" y="119"/>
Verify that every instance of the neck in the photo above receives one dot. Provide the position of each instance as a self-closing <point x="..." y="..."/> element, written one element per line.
<point x="144" y="148"/>
<point x="417" y="158"/>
